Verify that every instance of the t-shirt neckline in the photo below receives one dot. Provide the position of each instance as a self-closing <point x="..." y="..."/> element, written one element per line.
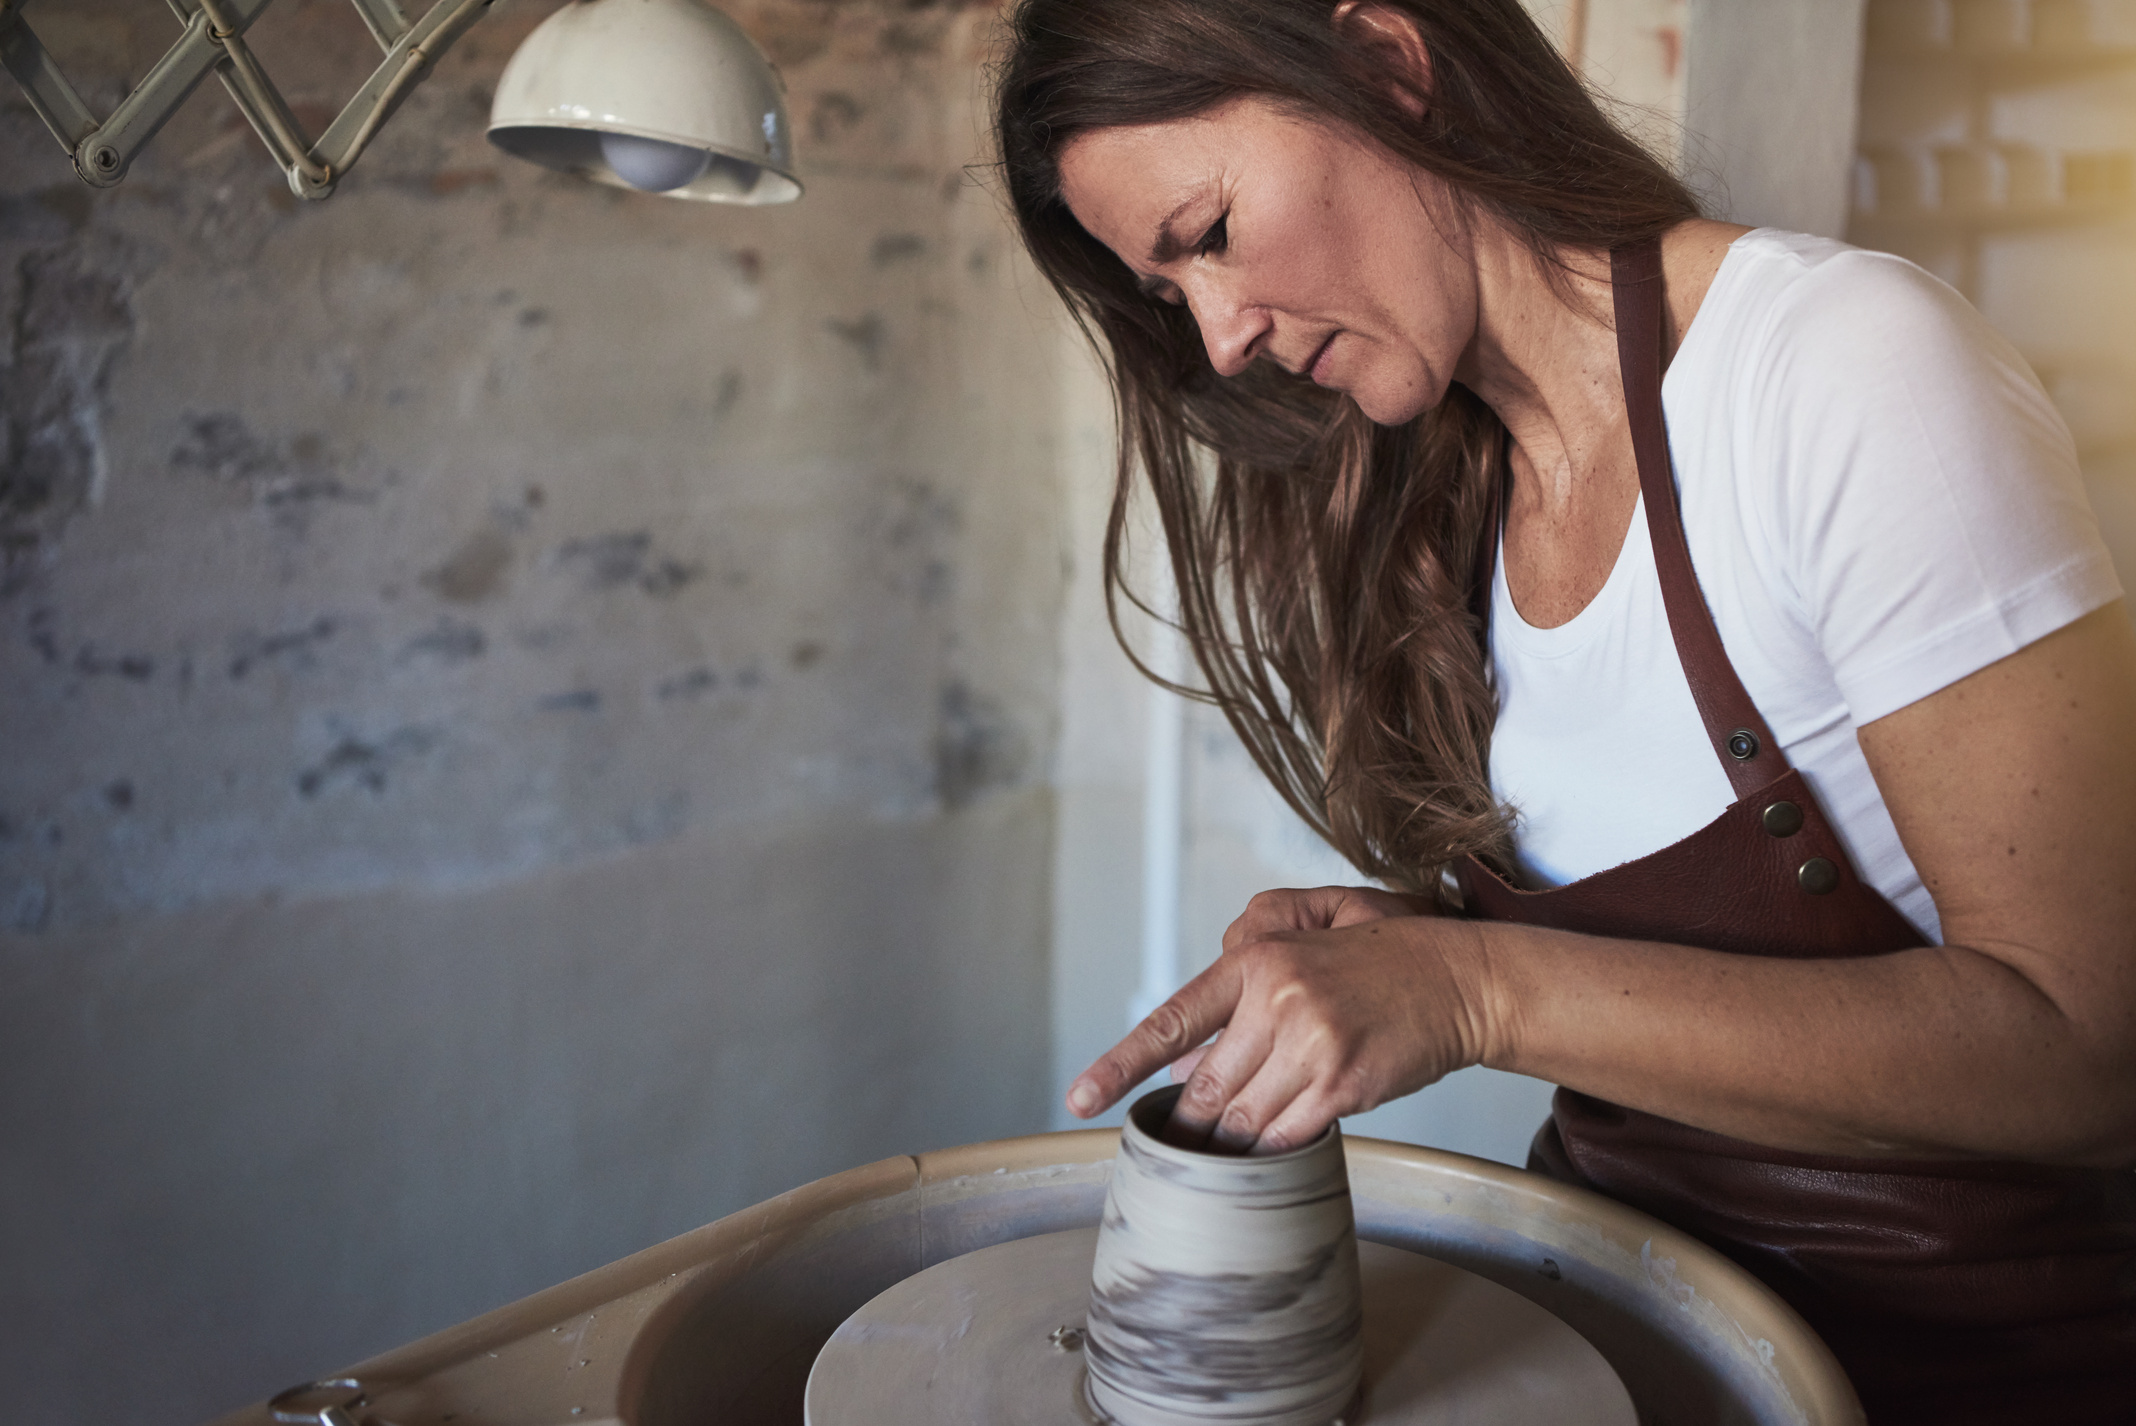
<point x="1572" y="635"/>
<point x="1575" y="632"/>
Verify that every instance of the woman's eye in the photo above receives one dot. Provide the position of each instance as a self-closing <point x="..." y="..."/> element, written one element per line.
<point x="1213" y="241"/>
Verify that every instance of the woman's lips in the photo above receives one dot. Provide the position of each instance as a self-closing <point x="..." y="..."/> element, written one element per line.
<point x="1317" y="368"/>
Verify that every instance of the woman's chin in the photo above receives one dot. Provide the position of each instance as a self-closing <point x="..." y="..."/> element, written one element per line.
<point x="1396" y="397"/>
<point x="1382" y="409"/>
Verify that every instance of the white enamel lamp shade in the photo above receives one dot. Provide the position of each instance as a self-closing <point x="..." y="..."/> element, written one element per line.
<point x="665" y="96"/>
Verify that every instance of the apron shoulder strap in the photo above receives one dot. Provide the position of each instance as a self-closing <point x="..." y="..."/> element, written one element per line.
<point x="1746" y="747"/>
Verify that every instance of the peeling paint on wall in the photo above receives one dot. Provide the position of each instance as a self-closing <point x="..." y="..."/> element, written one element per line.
<point x="627" y="559"/>
<point x="978" y="746"/>
<point x="474" y="570"/>
<point x="355" y="762"/>
<point x="287" y="480"/>
<point x="71" y="315"/>
<point x="481" y="521"/>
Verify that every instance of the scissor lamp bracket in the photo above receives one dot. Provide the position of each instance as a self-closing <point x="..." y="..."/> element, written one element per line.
<point x="214" y="39"/>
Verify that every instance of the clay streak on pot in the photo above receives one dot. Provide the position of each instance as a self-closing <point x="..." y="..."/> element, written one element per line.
<point x="1207" y="1365"/>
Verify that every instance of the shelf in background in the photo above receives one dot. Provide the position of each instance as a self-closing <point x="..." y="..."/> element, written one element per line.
<point x="2051" y="37"/>
<point x="1990" y="186"/>
<point x="2009" y="71"/>
<point x="1962" y="222"/>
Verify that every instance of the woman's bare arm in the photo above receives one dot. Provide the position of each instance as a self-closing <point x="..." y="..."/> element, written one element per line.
<point x="2015" y="793"/>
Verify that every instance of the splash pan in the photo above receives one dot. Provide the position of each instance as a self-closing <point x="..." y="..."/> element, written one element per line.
<point x="722" y="1325"/>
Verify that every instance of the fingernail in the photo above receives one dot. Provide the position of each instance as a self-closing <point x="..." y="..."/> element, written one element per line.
<point x="1083" y="1099"/>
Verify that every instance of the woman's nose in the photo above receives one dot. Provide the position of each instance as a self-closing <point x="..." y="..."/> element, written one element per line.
<point x="1233" y="331"/>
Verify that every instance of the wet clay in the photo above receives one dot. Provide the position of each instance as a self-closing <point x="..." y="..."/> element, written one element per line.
<point x="1225" y="1287"/>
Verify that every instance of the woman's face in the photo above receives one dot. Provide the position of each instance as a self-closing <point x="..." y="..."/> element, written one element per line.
<point x="1289" y="240"/>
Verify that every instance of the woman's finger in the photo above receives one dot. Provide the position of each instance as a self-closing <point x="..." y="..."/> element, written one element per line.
<point x="1319" y="908"/>
<point x="1359" y="904"/>
<point x="1284" y="909"/>
<point x="1183" y="1067"/>
<point x="1226" y="1068"/>
<point x="1264" y="1099"/>
<point x="1199" y="1010"/>
<point x="1302" y="1121"/>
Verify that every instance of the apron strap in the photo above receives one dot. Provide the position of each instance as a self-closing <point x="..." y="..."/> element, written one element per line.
<point x="1746" y="747"/>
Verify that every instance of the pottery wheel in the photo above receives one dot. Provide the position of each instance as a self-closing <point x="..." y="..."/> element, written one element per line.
<point x="978" y="1341"/>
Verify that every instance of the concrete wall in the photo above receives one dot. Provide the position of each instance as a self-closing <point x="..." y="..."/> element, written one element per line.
<point x="526" y="706"/>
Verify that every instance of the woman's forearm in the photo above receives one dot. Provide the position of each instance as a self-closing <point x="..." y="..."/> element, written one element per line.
<point x="2011" y="790"/>
<point x="1936" y="1052"/>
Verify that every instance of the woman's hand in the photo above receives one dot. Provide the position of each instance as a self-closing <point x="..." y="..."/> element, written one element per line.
<point x="1323" y="908"/>
<point x="1331" y="1001"/>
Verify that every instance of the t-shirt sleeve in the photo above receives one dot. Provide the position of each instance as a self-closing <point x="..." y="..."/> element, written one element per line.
<point x="1928" y="506"/>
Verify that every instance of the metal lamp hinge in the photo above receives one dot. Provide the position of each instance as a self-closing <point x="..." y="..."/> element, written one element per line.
<point x="214" y="39"/>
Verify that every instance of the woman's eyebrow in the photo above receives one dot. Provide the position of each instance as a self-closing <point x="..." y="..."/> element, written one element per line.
<point x="1168" y="247"/>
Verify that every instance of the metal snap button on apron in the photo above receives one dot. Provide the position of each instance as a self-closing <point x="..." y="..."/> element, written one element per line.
<point x="1783" y="819"/>
<point x="1742" y="745"/>
<point x="1818" y="876"/>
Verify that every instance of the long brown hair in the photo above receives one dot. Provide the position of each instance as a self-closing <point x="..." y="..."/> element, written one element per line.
<point x="1323" y="563"/>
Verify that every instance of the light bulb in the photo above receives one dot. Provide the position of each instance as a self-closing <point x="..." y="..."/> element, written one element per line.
<point x="652" y="165"/>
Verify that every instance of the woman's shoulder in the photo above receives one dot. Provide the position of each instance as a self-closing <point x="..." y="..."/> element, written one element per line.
<point x="1799" y="330"/>
<point x="1897" y="474"/>
<point x="1780" y="259"/>
<point x="1785" y="290"/>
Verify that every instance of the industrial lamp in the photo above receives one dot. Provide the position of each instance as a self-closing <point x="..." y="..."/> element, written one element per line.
<point x="665" y="96"/>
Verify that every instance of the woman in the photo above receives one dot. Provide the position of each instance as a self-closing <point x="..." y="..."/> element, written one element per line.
<point x="1789" y="800"/>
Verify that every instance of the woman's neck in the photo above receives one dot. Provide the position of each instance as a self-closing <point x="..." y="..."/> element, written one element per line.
<point x="1546" y="362"/>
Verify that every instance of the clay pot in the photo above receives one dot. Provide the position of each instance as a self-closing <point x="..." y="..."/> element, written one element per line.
<point x="1225" y="1288"/>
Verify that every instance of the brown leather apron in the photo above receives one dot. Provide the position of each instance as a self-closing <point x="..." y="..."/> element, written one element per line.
<point x="1953" y="1291"/>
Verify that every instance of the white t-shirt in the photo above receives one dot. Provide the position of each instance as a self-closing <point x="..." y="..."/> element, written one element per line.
<point x="1879" y="500"/>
